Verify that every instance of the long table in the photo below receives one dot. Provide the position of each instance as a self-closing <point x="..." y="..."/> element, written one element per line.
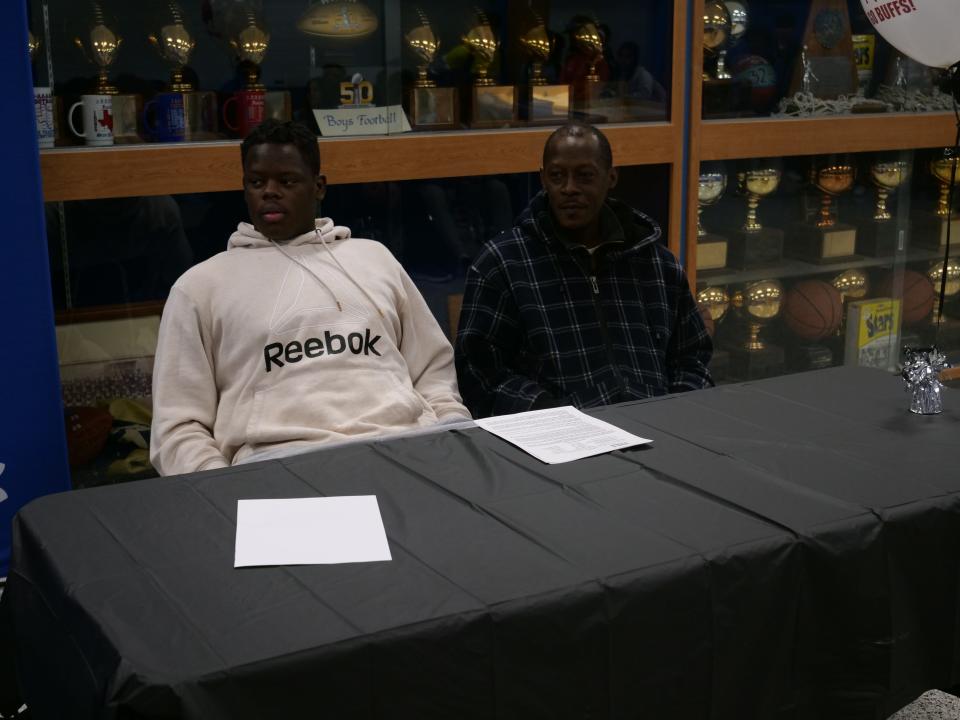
<point x="788" y="548"/>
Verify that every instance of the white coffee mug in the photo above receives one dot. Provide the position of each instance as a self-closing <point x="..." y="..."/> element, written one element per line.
<point x="43" y="112"/>
<point x="97" y="119"/>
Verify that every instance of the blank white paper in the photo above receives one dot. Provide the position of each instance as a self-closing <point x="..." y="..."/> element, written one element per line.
<point x="560" y="434"/>
<point x="310" y="531"/>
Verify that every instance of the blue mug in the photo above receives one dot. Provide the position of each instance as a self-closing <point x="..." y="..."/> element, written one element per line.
<point x="164" y="118"/>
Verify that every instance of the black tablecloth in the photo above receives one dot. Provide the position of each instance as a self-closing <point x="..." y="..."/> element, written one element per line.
<point x="785" y="548"/>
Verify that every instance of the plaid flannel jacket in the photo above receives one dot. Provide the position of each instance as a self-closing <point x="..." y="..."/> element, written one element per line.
<point x="545" y="323"/>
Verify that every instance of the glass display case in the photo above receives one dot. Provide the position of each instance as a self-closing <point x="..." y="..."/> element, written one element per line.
<point x="801" y="184"/>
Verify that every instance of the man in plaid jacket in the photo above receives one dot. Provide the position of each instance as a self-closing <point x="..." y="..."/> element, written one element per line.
<point x="580" y="304"/>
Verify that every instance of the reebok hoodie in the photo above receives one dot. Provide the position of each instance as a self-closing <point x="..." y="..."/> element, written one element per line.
<point x="320" y="339"/>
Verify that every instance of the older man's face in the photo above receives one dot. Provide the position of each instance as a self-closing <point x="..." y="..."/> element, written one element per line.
<point x="576" y="181"/>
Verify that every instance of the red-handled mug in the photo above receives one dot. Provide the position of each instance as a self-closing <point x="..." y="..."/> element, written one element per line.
<point x="249" y="111"/>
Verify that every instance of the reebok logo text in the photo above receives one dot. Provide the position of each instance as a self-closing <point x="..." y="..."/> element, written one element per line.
<point x="279" y="354"/>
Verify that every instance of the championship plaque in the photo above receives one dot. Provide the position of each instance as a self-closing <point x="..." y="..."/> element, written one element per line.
<point x="99" y="46"/>
<point x="757" y="305"/>
<point x="932" y="229"/>
<point x="827" y="240"/>
<point x="429" y="107"/>
<point x="490" y="105"/>
<point x="711" y="248"/>
<point x="175" y="44"/>
<point x="543" y="104"/>
<point x="754" y="245"/>
<point x="881" y="236"/>
<point x="826" y="68"/>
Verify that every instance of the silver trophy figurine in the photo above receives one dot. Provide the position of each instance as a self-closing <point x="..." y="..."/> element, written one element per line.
<point x="921" y="373"/>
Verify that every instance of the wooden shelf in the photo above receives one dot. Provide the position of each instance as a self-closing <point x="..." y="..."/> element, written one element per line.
<point x="762" y="137"/>
<point x="136" y="170"/>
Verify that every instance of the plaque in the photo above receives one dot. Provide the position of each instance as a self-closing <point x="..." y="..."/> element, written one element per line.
<point x="827" y="240"/>
<point x="826" y="67"/>
<point x="754" y="245"/>
<point x="429" y="107"/>
<point x="489" y="105"/>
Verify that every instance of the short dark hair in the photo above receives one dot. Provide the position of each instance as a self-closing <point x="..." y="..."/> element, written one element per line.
<point x="284" y="133"/>
<point x="580" y="129"/>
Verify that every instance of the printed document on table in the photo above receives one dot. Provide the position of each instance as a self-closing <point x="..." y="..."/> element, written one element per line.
<point x="310" y="531"/>
<point x="560" y="435"/>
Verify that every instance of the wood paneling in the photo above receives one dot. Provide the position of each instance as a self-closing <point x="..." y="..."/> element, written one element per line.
<point x="124" y="171"/>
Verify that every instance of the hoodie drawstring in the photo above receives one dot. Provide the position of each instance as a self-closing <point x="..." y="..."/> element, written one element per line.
<point x="344" y="271"/>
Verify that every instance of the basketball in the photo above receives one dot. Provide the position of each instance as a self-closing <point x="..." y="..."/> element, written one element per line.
<point x="87" y="431"/>
<point x="759" y="76"/>
<point x="813" y="310"/>
<point x="918" y="295"/>
<point x="708" y="322"/>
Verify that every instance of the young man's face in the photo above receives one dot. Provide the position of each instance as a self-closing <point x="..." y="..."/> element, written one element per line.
<point x="281" y="191"/>
<point x="576" y="181"/>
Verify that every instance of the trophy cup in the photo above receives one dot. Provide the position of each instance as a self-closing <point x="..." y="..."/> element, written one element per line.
<point x="739" y="22"/>
<point x="714" y="302"/>
<point x="826" y="68"/>
<point x="932" y="230"/>
<point x="827" y="240"/>
<point x="754" y="245"/>
<point x="99" y="45"/>
<point x="250" y="42"/>
<point x="594" y="99"/>
<point x="544" y="104"/>
<point x="491" y="105"/>
<point x="430" y="107"/>
<point x="882" y="235"/>
<point x="757" y="305"/>
<point x="711" y="248"/>
<point x="718" y="88"/>
<point x="947" y="328"/>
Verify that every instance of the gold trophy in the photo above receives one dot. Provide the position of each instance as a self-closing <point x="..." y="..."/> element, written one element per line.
<point x="175" y="44"/>
<point x="99" y="46"/>
<point x="250" y="43"/>
<point x="932" y="230"/>
<point x="545" y="104"/>
<point x="827" y="240"/>
<point x="882" y="236"/>
<point x="951" y="289"/>
<point x="711" y="248"/>
<point x="758" y="304"/>
<point x="716" y="32"/>
<point x="718" y="87"/>
<point x="491" y="105"/>
<point x="714" y="301"/>
<point x="852" y="285"/>
<point x="754" y="245"/>
<point x="739" y="22"/>
<point x="589" y="91"/>
<point x="431" y="107"/>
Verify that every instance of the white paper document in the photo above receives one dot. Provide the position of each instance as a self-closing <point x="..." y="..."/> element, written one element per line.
<point x="560" y="435"/>
<point x="310" y="531"/>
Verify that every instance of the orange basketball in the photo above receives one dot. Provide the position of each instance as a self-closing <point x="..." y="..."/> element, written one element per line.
<point x="918" y="295"/>
<point x="813" y="309"/>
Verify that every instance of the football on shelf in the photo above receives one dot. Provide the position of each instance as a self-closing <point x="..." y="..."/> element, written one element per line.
<point x="344" y="19"/>
<point x="87" y="431"/>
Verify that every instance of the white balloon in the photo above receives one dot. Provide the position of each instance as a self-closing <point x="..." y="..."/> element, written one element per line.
<point x="926" y="30"/>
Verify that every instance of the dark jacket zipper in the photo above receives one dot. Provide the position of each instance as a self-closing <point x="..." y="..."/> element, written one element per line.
<point x="604" y="331"/>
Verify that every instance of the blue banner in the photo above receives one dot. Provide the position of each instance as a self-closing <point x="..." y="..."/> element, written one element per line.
<point x="33" y="453"/>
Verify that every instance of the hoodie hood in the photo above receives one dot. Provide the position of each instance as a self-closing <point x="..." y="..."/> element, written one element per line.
<point x="246" y="236"/>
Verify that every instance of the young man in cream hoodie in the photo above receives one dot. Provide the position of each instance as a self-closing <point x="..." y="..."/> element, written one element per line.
<point x="296" y="335"/>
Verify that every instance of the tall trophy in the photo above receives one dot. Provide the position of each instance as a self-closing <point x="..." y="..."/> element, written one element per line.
<point x="430" y="107"/>
<point x="826" y="68"/>
<point x="714" y="302"/>
<point x="932" y="230"/>
<point x="718" y="86"/>
<point x="175" y="44"/>
<point x="99" y="44"/>
<point x="590" y="93"/>
<point x="491" y="105"/>
<point x="544" y="104"/>
<point x="757" y="305"/>
<point x="881" y="236"/>
<point x="711" y="248"/>
<point x="827" y="239"/>
<point x="739" y="22"/>
<point x="852" y="284"/>
<point x="948" y="326"/>
<point x="755" y="245"/>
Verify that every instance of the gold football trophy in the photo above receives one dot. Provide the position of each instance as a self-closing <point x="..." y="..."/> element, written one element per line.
<point x="755" y="245"/>
<point x="250" y="42"/>
<point x="711" y="248"/>
<point x="827" y="240"/>
<point x="175" y="44"/>
<point x="431" y="107"/>
<point x="852" y="284"/>
<point x="932" y="230"/>
<point x="758" y="304"/>
<point x="545" y="104"/>
<point x="882" y="236"/>
<point x="715" y="302"/>
<point x="491" y="105"/>
<point x="99" y="46"/>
